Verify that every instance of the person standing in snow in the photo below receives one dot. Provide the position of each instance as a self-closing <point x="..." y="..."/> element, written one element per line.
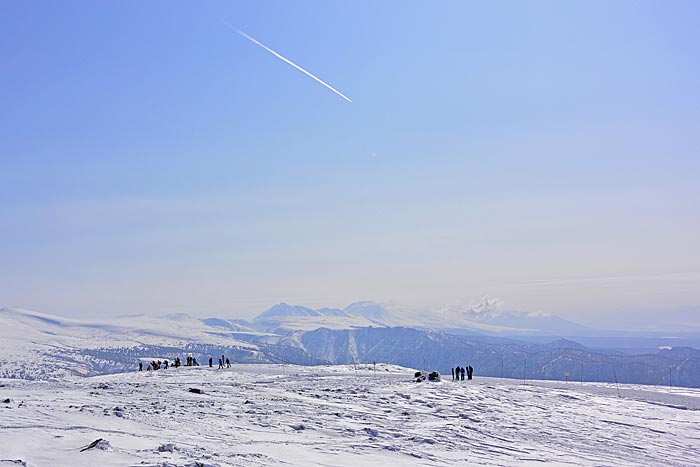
<point x="140" y="366"/>
<point x="221" y="364"/>
<point x="453" y="374"/>
<point x="210" y="362"/>
<point x="470" y="370"/>
<point x="461" y="370"/>
<point x="228" y="363"/>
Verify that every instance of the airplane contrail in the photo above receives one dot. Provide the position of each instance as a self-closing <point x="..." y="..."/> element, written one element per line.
<point x="288" y="61"/>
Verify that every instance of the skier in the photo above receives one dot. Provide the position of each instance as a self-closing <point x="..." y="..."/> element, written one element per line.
<point x="221" y="364"/>
<point x="228" y="363"/>
<point x="140" y="366"/>
<point x="461" y="370"/>
<point x="210" y="362"/>
<point x="470" y="370"/>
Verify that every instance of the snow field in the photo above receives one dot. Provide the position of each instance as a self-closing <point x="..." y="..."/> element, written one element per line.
<point x="339" y="416"/>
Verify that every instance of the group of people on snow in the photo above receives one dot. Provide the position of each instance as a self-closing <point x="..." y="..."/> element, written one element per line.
<point x="191" y="361"/>
<point x="155" y="365"/>
<point x="458" y="373"/>
<point x="222" y="360"/>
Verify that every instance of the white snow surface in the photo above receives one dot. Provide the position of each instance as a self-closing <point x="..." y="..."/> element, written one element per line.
<point x="340" y="416"/>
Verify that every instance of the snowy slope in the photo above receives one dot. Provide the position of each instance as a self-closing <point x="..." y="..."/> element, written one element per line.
<point x="37" y="345"/>
<point x="340" y="416"/>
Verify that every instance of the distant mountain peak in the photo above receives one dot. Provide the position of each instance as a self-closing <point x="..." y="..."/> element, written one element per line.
<point x="284" y="310"/>
<point x="368" y="309"/>
<point x="485" y="308"/>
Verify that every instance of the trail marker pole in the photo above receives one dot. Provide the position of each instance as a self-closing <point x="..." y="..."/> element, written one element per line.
<point x="524" y="367"/>
<point x="616" y="386"/>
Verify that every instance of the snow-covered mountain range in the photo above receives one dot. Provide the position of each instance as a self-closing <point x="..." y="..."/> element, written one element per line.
<point x="41" y="346"/>
<point x="486" y="315"/>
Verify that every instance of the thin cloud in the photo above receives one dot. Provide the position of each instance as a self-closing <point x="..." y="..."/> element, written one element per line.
<point x="286" y="60"/>
<point x="603" y="280"/>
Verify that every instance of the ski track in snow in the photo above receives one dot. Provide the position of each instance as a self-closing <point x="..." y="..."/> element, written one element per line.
<point x="334" y="415"/>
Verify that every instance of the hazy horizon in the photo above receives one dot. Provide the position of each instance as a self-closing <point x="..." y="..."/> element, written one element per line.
<point x="543" y="153"/>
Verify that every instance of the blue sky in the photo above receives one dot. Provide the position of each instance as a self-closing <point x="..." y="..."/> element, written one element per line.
<point x="546" y="153"/>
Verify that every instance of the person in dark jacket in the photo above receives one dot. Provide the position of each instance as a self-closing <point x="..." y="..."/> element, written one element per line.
<point x="470" y="370"/>
<point x="453" y="374"/>
<point x="210" y="362"/>
<point x="141" y="368"/>
<point x="461" y="370"/>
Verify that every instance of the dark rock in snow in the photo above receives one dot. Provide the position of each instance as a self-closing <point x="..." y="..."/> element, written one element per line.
<point x="167" y="447"/>
<point x="92" y="445"/>
<point x="196" y="391"/>
<point x="6" y="401"/>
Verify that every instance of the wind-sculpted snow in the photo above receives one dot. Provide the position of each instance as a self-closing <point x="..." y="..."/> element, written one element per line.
<point x="340" y="415"/>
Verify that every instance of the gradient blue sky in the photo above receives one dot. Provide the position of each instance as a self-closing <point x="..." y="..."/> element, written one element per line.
<point x="545" y="153"/>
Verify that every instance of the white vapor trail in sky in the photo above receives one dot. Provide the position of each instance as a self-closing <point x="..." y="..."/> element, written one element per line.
<point x="288" y="61"/>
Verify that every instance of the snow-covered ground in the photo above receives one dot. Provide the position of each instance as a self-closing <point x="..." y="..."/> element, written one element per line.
<point x="342" y="416"/>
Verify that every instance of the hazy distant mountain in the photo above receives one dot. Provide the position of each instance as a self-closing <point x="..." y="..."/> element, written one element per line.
<point x="282" y="310"/>
<point x="488" y="313"/>
<point x="372" y="311"/>
<point x="294" y="317"/>
<point x="486" y="316"/>
<point x="229" y="324"/>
